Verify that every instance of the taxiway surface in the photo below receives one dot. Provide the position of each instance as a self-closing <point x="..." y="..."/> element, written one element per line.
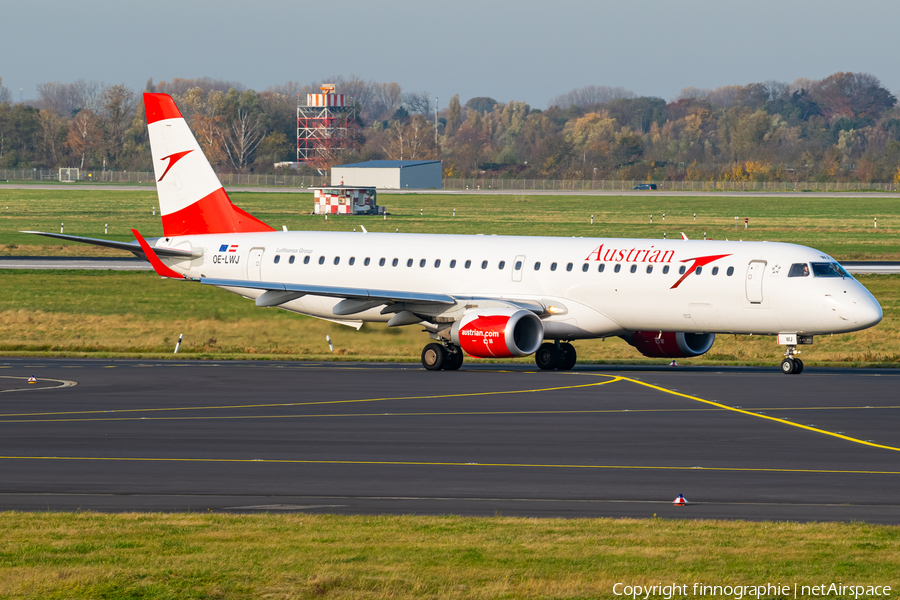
<point x="745" y="443"/>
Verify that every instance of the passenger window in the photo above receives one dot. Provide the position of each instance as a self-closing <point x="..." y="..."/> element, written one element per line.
<point x="698" y="270"/>
<point x="569" y="267"/>
<point x="395" y="262"/>
<point x="634" y="268"/>
<point x="306" y="259"/>
<point x="453" y="264"/>
<point x="484" y="264"/>
<point x="617" y="268"/>
<point x="468" y="263"/>
<point x="518" y="265"/>
<point x="665" y="269"/>
<point x="381" y="262"/>
<point x="649" y="268"/>
<point x="715" y="271"/>
<point x="421" y="263"/>
<point x="552" y="266"/>
<point x="352" y="260"/>
<point x="730" y="271"/>
<point x="585" y="267"/>
<point x="337" y="259"/>
<point x="321" y="260"/>
<point x="537" y="266"/>
<point x="367" y="261"/>
<point x="437" y="263"/>
<point x="601" y="268"/>
<point x="291" y="259"/>
<point x="799" y="270"/>
<point x="501" y="265"/>
<point x="409" y="262"/>
<point x="682" y="269"/>
<point x="277" y="258"/>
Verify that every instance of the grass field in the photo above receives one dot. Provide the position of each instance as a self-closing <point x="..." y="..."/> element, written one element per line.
<point x="843" y="227"/>
<point x="88" y="555"/>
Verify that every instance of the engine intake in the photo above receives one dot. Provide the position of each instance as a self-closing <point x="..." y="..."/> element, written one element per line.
<point x="670" y="344"/>
<point x="498" y="333"/>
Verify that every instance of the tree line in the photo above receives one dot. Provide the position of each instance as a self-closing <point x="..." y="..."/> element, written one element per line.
<point x="845" y="127"/>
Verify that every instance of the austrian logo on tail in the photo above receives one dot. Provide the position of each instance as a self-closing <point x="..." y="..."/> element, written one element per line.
<point x="173" y="158"/>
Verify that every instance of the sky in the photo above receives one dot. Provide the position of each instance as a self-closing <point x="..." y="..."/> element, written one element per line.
<point x="524" y="50"/>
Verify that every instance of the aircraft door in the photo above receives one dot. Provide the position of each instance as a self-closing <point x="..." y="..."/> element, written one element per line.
<point x="254" y="265"/>
<point x="754" y="282"/>
<point x="518" y="267"/>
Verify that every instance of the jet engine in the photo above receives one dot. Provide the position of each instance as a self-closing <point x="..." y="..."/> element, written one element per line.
<point x="670" y="344"/>
<point x="490" y="333"/>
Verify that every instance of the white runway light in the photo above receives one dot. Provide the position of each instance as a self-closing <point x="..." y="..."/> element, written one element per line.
<point x="328" y="339"/>
<point x="178" y="345"/>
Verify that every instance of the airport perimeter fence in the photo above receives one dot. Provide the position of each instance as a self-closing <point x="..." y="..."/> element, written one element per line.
<point x="501" y="184"/>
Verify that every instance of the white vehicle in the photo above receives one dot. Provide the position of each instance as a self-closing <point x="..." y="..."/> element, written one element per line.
<point x="493" y="296"/>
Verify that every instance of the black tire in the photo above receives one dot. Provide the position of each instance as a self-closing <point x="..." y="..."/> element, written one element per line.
<point x="569" y="357"/>
<point x="788" y="366"/>
<point x="547" y="357"/>
<point x="798" y="366"/>
<point x="454" y="359"/>
<point x="434" y="357"/>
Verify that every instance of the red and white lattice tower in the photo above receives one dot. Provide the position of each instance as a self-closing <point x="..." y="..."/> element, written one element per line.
<point x="322" y="124"/>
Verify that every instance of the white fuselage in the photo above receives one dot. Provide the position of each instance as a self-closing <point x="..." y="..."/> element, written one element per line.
<point x="746" y="290"/>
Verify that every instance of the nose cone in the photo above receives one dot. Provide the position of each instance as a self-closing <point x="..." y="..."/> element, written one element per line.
<point x="866" y="311"/>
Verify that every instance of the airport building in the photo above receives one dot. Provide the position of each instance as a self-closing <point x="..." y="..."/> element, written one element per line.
<point x="390" y="174"/>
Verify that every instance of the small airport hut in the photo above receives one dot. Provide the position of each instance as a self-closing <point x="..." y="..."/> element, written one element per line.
<point x="343" y="200"/>
<point x="390" y="174"/>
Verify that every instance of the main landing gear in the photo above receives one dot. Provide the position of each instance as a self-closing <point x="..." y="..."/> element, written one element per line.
<point x="438" y="356"/>
<point x="561" y="356"/>
<point x="791" y="365"/>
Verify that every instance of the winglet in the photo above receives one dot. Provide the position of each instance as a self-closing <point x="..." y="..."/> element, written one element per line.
<point x="158" y="266"/>
<point x="684" y="237"/>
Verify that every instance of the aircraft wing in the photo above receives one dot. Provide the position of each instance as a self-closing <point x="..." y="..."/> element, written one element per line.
<point x="129" y="246"/>
<point x="350" y="293"/>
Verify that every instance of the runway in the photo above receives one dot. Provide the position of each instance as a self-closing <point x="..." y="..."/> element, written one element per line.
<point x="739" y="443"/>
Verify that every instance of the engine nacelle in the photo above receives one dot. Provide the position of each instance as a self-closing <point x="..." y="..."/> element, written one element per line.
<point x="670" y="344"/>
<point x="490" y="333"/>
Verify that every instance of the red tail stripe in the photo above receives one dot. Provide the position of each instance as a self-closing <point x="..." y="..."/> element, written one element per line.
<point x="211" y="214"/>
<point x="159" y="107"/>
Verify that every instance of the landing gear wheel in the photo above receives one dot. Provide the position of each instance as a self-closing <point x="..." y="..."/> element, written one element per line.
<point x="547" y="357"/>
<point x="454" y="359"/>
<point x="798" y="366"/>
<point x="568" y="358"/>
<point x="434" y="357"/>
<point x="789" y="366"/>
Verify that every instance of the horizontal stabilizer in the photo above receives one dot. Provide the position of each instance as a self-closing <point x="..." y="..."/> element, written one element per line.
<point x="129" y="246"/>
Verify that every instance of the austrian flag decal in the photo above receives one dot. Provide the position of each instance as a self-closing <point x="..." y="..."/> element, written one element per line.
<point x="227" y="248"/>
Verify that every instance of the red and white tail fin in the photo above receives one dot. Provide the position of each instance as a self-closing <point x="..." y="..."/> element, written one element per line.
<point x="191" y="198"/>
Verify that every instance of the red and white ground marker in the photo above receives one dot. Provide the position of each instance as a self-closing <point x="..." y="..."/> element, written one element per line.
<point x="680" y="500"/>
<point x="673" y="363"/>
<point x="32" y="380"/>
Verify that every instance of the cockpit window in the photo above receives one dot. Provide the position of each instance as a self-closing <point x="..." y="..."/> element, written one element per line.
<point x="829" y="270"/>
<point x="799" y="270"/>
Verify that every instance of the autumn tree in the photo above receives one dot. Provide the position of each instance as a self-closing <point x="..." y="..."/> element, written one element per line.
<point x="84" y="136"/>
<point x="454" y="116"/>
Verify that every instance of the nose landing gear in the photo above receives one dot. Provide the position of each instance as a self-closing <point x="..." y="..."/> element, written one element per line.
<point x="791" y="365"/>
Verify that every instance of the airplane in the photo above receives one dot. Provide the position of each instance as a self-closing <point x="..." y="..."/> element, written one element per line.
<point x="492" y="296"/>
